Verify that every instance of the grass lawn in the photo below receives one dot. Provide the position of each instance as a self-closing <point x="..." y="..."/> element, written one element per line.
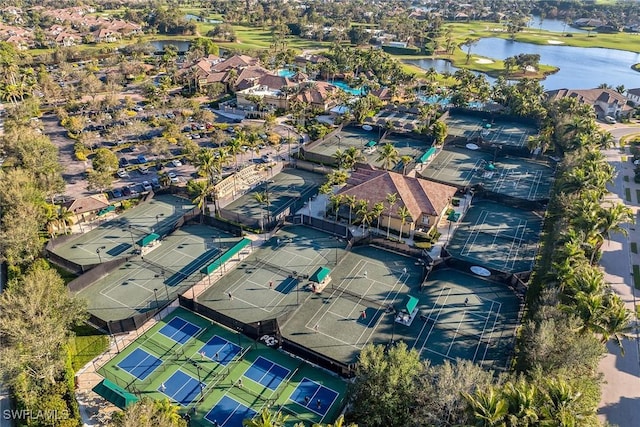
<point x="627" y="194"/>
<point x="87" y="344"/>
<point x="634" y="247"/>
<point x="66" y="276"/>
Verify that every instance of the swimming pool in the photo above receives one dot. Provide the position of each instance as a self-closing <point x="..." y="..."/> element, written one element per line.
<point x="345" y="87"/>
<point x="285" y="72"/>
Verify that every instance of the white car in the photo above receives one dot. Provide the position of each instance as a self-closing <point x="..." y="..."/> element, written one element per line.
<point x="122" y="173"/>
<point x="174" y="178"/>
<point x="610" y="120"/>
<point x="146" y="185"/>
<point x="176" y="163"/>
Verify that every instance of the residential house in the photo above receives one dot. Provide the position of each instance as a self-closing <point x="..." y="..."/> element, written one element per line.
<point x="426" y="201"/>
<point x="105" y="35"/>
<point x="605" y="102"/>
<point x="320" y="95"/>
<point x="269" y="88"/>
<point x="633" y="95"/>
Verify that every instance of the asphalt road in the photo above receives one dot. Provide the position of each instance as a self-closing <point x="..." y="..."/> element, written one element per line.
<point x="620" y="402"/>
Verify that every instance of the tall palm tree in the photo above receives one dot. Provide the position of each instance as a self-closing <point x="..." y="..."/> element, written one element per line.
<point x="406" y="159"/>
<point x="263" y="200"/>
<point x="199" y="191"/>
<point x="336" y="201"/>
<point x="392" y="199"/>
<point x="351" y="202"/>
<point x="376" y="212"/>
<point x="362" y="211"/>
<point x="64" y="218"/>
<point x="404" y="214"/>
<point x="616" y="321"/>
<point x="612" y="218"/>
<point x="388" y="155"/>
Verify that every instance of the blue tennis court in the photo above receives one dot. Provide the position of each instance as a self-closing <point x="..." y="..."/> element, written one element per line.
<point x="220" y="350"/>
<point x="228" y="412"/>
<point x="313" y="396"/>
<point x="140" y="364"/>
<point x="182" y="388"/>
<point x="265" y="372"/>
<point x="180" y="330"/>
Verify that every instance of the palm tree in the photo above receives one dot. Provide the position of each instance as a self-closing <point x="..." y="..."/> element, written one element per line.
<point x="521" y="399"/>
<point x="388" y="155"/>
<point x="199" y="190"/>
<point x="364" y="213"/>
<point x="376" y="212"/>
<point x="561" y="405"/>
<point x="351" y="202"/>
<point x="392" y="199"/>
<point x="266" y="419"/>
<point x="616" y="321"/>
<point x="64" y="218"/>
<point x="263" y="199"/>
<point x="336" y="201"/>
<point x="406" y="159"/>
<point x="404" y="214"/>
<point x="612" y="218"/>
<point x="488" y="408"/>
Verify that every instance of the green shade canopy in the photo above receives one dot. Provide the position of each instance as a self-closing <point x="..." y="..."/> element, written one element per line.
<point x="427" y="155"/>
<point x="320" y="274"/>
<point x="453" y="216"/>
<point x="226" y="256"/>
<point x="115" y="394"/>
<point x="147" y="239"/>
<point x="410" y="304"/>
<point x="106" y="210"/>
<point x="370" y="144"/>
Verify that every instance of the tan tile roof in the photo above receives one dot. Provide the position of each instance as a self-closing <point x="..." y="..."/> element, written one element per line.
<point x="89" y="204"/>
<point x="418" y="195"/>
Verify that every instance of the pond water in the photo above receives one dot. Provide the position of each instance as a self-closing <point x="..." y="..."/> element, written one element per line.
<point x="190" y="17"/>
<point x="556" y="25"/>
<point x="580" y="67"/>
<point x="182" y="45"/>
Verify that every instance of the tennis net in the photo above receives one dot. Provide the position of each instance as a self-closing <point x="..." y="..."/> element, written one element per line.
<point x="246" y="393"/>
<point x="155" y="267"/>
<point x="272" y="267"/>
<point x="358" y="298"/>
<point x="502" y="236"/>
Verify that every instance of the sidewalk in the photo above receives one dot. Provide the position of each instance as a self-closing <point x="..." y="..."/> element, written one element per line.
<point x="620" y="401"/>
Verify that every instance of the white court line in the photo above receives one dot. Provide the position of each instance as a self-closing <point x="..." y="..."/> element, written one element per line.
<point x="433" y="322"/>
<point x="480" y="221"/>
<point x="493" y="327"/>
<point x="484" y="329"/>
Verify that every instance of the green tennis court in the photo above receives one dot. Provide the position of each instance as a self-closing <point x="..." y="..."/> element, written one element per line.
<point x="117" y="238"/>
<point x="355" y="307"/>
<point x="491" y="131"/>
<point x="497" y="236"/>
<point x="369" y="142"/>
<point x="269" y="281"/>
<point x="283" y="190"/>
<point x="147" y="282"/>
<point x="217" y="375"/>
<point x="463" y="316"/>
<point x="512" y="176"/>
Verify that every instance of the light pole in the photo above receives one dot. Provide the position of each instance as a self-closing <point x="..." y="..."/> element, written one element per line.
<point x="198" y="367"/>
<point x="338" y="241"/>
<point x="133" y="243"/>
<point x="158" y="220"/>
<point x="98" y="250"/>
<point x="339" y="140"/>
<point x="155" y="294"/>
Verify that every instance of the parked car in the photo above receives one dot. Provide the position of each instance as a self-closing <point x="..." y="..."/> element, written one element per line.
<point x="174" y="178"/>
<point x="126" y="190"/>
<point x="610" y="120"/>
<point x="155" y="183"/>
<point x="146" y="185"/>
<point x="142" y="159"/>
<point x="176" y="163"/>
<point x="143" y="170"/>
<point x="117" y="193"/>
<point x="123" y="162"/>
<point x="122" y="173"/>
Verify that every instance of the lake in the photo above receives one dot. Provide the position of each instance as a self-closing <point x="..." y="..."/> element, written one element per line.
<point x="190" y="17"/>
<point x="556" y="25"/>
<point x="580" y="67"/>
<point x="182" y="45"/>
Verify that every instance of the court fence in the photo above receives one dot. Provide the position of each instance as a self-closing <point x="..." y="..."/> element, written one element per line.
<point x="515" y="202"/>
<point x="95" y="273"/>
<point x="321" y="224"/>
<point x="268" y="332"/>
<point x="222" y="224"/>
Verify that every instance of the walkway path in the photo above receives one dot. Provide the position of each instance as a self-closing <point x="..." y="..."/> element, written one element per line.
<point x="620" y="403"/>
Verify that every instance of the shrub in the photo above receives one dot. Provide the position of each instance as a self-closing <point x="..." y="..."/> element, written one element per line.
<point x="423" y="245"/>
